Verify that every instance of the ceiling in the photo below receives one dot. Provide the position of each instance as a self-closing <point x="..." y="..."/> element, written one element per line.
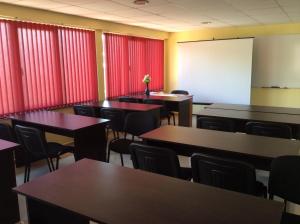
<point x="176" y="15"/>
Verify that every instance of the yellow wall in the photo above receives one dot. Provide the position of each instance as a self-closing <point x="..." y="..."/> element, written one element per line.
<point x="259" y="96"/>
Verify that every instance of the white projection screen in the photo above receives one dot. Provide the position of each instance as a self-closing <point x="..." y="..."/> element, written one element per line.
<point x="217" y="71"/>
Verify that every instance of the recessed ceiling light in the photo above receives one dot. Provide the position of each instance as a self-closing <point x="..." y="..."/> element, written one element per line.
<point x="205" y="22"/>
<point x="141" y="2"/>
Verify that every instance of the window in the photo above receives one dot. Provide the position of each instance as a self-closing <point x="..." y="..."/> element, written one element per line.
<point x="128" y="59"/>
<point x="45" y="66"/>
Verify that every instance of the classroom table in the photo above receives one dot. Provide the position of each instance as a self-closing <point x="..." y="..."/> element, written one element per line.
<point x="255" y="108"/>
<point x="107" y="193"/>
<point x="9" y="208"/>
<point x="257" y="150"/>
<point x="180" y="103"/>
<point x="241" y="117"/>
<point x="127" y="107"/>
<point x="88" y="132"/>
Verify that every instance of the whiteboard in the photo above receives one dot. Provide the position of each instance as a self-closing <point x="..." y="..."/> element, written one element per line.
<point x="276" y="61"/>
<point x="216" y="71"/>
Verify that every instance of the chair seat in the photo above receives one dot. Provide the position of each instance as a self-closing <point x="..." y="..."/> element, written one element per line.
<point x="289" y="218"/>
<point x="56" y="149"/>
<point x="261" y="190"/>
<point x="120" y="145"/>
<point x="185" y="173"/>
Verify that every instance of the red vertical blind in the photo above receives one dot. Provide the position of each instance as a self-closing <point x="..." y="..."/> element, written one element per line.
<point x="45" y="66"/>
<point x="137" y="64"/>
<point x="117" y="65"/>
<point x="41" y="77"/>
<point x="78" y="65"/>
<point x="10" y="80"/>
<point x="128" y="59"/>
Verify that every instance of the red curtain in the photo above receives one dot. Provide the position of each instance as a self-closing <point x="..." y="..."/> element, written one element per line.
<point x="78" y="65"/>
<point x="39" y="58"/>
<point x="10" y="80"/>
<point x="45" y="66"/>
<point x="128" y="59"/>
<point x="117" y="65"/>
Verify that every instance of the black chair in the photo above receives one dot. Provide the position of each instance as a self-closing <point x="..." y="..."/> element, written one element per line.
<point x="269" y="129"/>
<point x="164" y="112"/>
<point x="177" y="91"/>
<point x="116" y="117"/>
<point x="6" y="133"/>
<point x="135" y="124"/>
<point x="284" y="182"/>
<point x="225" y="173"/>
<point x="215" y="123"/>
<point x="36" y="147"/>
<point x="128" y="99"/>
<point x="158" y="160"/>
<point x="85" y="110"/>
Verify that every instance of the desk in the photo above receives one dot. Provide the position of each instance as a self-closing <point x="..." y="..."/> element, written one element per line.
<point x="112" y="194"/>
<point x="255" y="108"/>
<point x="257" y="150"/>
<point x="9" y="208"/>
<point x="127" y="107"/>
<point x="88" y="132"/>
<point x="180" y="103"/>
<point x="242" y="117"/>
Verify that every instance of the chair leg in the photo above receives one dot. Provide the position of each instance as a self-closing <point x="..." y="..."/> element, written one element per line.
<point x="174" y="119"/>
<point x="57" y="162"/>
<point x="122" y="162"/>
<point x="28" y="172"/>
<point x="49" y="164"/>
<point x="108" y="154"/>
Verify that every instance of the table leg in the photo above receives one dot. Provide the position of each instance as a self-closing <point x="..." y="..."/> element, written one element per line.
<point x="185" y="109"/>
<point x="91" y="143"/>
<point x="9" y="208"/>
<point x="39" y="212"/>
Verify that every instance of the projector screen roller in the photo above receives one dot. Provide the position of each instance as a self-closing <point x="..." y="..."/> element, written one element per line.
<point x="216" y="71"/>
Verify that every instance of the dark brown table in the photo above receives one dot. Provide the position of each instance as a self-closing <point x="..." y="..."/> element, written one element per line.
<point x="241" y="117"/>
<point x="180" y="103"/>
<point x="113" y="194"/>
<point x="88" y="132"/>
<point x="127" y="107"/>
<point x="9" y="208"/>
<point x="255" y="108"/>
<point x="257" y="150"/>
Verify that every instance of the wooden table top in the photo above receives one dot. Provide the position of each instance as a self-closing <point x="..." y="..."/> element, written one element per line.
<point x="168" y="97"/>
<point x="58" y="120"/>
<point x="240" y="143"/>
<point x="125" y="105"/>
<point x="253" y="116"/>
<point x="255" y="108"/>
<point x="6" y="145"/>
<point x="113" y="194"/>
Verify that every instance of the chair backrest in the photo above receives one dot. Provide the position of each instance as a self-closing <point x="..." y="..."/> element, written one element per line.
<point x="224" y="173"/>
<point x="269" y="129"/>
<point x="215" y="123"/>
<point x="33" y="140"/>
<point x="137" y="123"/>
<point x="155" y="159"/>
<point x="6" y="133"/>
<point x="177" y="91"/>
<point x="115" y="116"/>
<point x="128" y="99"/>
<point x="84" y="110"/>
<point x="284" y="180"/>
